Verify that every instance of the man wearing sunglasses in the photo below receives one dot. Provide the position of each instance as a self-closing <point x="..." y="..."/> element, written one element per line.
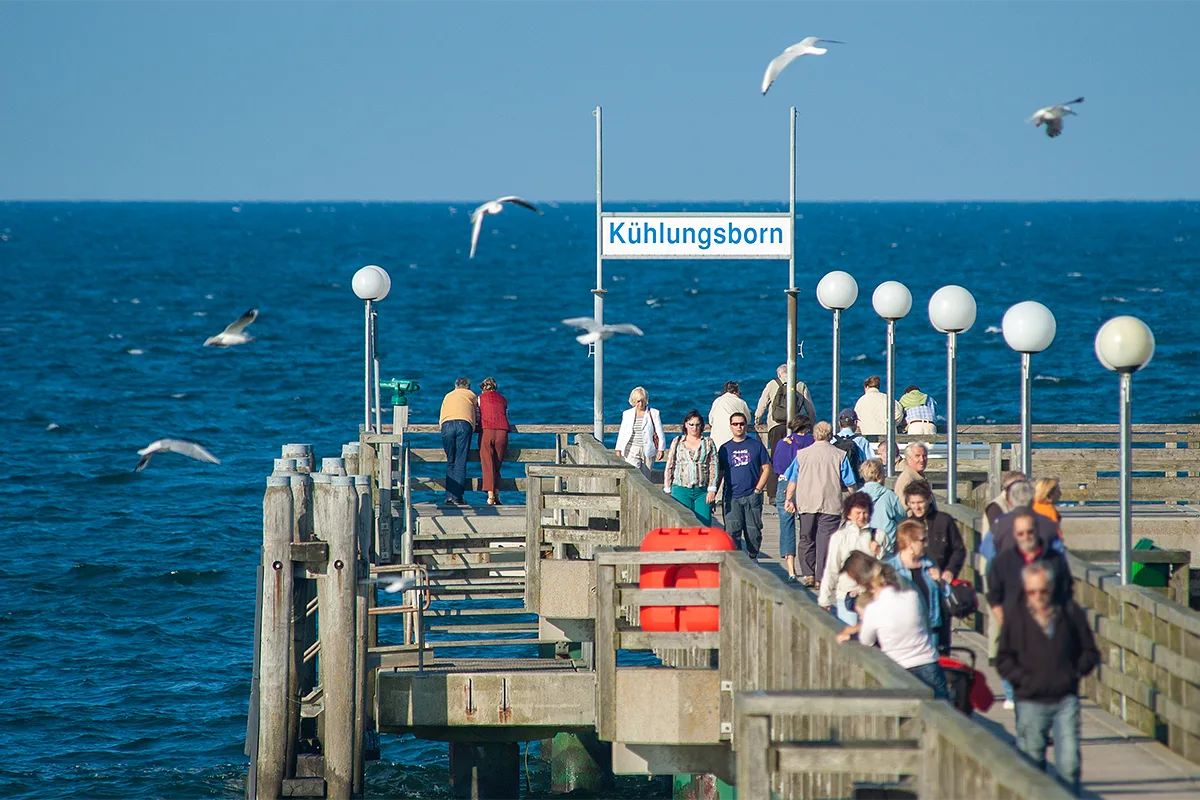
<point x="1045" y="648"/>
<point x="745" y="467"/>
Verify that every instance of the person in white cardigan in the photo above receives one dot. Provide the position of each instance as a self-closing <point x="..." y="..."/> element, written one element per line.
<point x="855" y="534"/>
<point x="641" y="439"/>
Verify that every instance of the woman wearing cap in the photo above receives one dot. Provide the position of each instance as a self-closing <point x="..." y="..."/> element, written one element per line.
<point x="641" y="439"/>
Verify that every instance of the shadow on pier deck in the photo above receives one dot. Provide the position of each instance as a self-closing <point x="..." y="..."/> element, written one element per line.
<point x="528" y="627"/>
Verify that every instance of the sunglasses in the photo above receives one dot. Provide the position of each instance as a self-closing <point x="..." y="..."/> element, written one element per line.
<point x="737" y="424"/>
<point x="693" y="424"/>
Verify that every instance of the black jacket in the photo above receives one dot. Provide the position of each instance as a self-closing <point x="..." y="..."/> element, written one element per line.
<point x="1004" y="576"/>
<point x="1046" y="528"/>
<point x="945" y="548"/>
<point x="1041" y="668"/>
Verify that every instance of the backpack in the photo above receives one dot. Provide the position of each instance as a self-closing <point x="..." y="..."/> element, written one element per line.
<point x="779" y="404"/>
<point x="850" y="448"/>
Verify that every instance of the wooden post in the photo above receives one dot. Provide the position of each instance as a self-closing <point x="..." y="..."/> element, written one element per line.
<point x="302" y="676"/>
<point x="363" y="601"/>
<point x="337" y="516"/>
<point x="333" y="466"/>
<point x="302" y="453"/>
<point x="383" y="537"/>
<point x="270" y="761"/>
<point x="350" y="457"/>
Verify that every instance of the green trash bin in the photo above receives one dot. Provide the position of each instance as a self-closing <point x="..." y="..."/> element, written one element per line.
<point x="1155" y="575"/>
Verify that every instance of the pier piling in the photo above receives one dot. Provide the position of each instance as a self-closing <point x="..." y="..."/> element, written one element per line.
<point x="337" y="512"/>
<point x="274" y="717"/>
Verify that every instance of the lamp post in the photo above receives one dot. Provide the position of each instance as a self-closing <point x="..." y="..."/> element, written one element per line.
<point x="1029" y="328"/>
<point x="371" y="284"/>
<point x="837" y="291"/>
<point x="952" y="311"/>
<point x="1125" y="345"/>
<point x="892" y="301"/>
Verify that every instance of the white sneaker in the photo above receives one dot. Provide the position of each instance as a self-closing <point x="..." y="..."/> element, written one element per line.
<point x="1009" y="705"/>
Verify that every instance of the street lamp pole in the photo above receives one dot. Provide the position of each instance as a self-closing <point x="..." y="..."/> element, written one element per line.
<point x="836" y="292"/>
<point x="1029" y="328"/>
<point x="892" y="301"/>
<point x="598" y="292"/>
<point x="793" y="315"/>
<point x="371" y="284"/>
<point x="1125" y="345"/>
<point x="952" y="311"/>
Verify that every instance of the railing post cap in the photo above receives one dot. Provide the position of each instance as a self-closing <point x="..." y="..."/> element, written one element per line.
<point x="330" y="464"/>
<point x="299" y="479"/>
<point x="351" y="448"/>
<point x="340" y="480"/>
<point x="284" y="465"/>
<point x="321" y="477"/>
<point x="292" y="450"/>
<point x="361" y="480"/>
<point x="278" y="480"/>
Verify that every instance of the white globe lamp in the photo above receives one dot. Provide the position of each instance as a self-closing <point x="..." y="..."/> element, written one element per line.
<point x="1125" y="345"/>
<point x="892" y="301"/>
<point x="1029" y="328"/>
<point x="952" y="309"/>
<point x="371" y="283"/>
<point x="836" y="292"/>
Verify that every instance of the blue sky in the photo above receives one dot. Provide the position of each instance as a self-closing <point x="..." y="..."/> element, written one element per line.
<point x="463" y="101"/>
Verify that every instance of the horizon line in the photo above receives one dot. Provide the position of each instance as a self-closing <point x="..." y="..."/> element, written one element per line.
<point x="591" y="202"/>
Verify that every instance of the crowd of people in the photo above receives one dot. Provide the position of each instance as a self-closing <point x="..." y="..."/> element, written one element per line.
<point x="884" y="560"/>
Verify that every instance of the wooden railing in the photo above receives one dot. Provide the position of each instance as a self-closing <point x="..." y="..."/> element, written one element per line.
<point x="806" y="717"/>
<point x="1149" y="645"/>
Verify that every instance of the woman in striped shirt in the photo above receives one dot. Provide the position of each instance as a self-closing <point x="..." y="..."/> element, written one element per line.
<point x="691" y="473"/>
<point x="641" y="438"/>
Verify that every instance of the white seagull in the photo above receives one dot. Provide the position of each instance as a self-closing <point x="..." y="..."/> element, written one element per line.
<point x="235" y="333"/>
<point x="597" y="332"/>
<point x="804" y="47"/>
<point x="1053" y="116"/>
<point x="394" y="583"/>
<point x="494" y="207"/>
<point x="182" y="446"/>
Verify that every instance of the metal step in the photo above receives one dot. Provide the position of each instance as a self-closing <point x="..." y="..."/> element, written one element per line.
<point x="438" y="644"/>
<point x="512" y="535"/>
<point x="447" y="613"/>
<point x="483" y="627"/>
<point x="451" y="593"/>
<point x="458" y="550"/>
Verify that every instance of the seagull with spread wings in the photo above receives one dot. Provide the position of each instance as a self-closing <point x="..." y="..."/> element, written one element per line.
<point x="394" y="583"/>
<point x="1053" y="116"/>
<point x="184" y="447"/>
<point x="494" y="207"/>
<point x="597" y="332"/>
<point x="235" y="333"/>
<point x="805" y="47"/>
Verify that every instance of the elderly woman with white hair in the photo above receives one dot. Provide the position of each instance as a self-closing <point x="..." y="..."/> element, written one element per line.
<point x="641" y="439"/>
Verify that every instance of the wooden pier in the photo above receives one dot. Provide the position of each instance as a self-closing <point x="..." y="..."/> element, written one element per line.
<point x="525" y="626"/>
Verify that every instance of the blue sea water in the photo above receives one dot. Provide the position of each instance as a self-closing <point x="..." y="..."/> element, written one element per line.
<point x="127" y="613"/>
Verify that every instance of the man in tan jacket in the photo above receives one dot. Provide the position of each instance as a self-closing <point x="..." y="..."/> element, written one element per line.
<point x="816" y="480"/>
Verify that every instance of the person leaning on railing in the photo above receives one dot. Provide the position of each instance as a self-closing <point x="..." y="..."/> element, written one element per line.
<point x="494" y="428"/>
<point x="690" y="475"/>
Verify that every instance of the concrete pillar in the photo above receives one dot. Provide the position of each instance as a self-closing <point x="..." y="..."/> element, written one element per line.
<point x="485" y="770"/>
<point x="302" y="675"/>
<point x="580" y="762"/>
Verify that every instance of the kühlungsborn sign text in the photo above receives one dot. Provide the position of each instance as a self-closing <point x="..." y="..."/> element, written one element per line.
<point x="749" y="236"/>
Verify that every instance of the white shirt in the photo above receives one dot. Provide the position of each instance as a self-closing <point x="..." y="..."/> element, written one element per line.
<point x="871" y="409"/>
<point x="895" y="620"/>
<point x="718" y="417"/>
<point x="835" y="584"/>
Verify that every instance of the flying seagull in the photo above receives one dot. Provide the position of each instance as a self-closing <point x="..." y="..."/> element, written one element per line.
<point x="235" y="333"/>
<point x="1053" y="116"/>
<point x="494" y="207"/>
<point x="181" y="446"/>
<point x="804" y="47"/>
<point x="597" y="332"/>
<point x="394" y="583"/>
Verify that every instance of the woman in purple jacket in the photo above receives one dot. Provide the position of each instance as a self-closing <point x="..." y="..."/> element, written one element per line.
<point x="799" y="436"/>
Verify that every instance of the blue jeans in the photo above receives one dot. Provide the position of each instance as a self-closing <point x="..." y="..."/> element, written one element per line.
<point x="456" y="441"/>
<point x="932" y="676"/>
<point x="1034" y="721"/>
<point x="695" y="498"/>
<point x="787" y="524"/>
<point x="1008" y="689"/>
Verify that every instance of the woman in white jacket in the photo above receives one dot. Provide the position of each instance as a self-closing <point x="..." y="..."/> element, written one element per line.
<point x="855" y="534"/>
<point x="641" y="439"/>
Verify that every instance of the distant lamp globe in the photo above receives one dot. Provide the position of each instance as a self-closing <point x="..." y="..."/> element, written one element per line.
<point x="371" y="283"/>
<point x="952" y="309"/>
<point x="1029" y="327"/>
<point x="837" y="291"/>
<point x="1124" y="344"/>
<point x="892" y="300"/>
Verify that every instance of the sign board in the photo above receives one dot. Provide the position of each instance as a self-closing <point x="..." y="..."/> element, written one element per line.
<point x="691" y="236"/>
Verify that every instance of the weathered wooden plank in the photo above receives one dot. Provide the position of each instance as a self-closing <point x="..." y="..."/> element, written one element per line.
<point x="887" y="757"/>
<point x="628" y="639"/>
<point x="606" y="653"/>
<point x="670" y="557"/>
<point x="836" y="702"/>
<point x="754" y="758"/>
<point x="669" y="597"/>
<point x="572" y="534"/>
<point x="470" y="484"/>
<point x="309" y="552"/>
<point x="580" y="501"/>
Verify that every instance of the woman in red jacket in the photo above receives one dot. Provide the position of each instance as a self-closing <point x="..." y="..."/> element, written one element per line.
<point x="493" y="437"/>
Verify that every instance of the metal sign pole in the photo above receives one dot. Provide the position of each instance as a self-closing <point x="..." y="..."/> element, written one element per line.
<point x="598" y="292"/>
<point x="792" y="311"/>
